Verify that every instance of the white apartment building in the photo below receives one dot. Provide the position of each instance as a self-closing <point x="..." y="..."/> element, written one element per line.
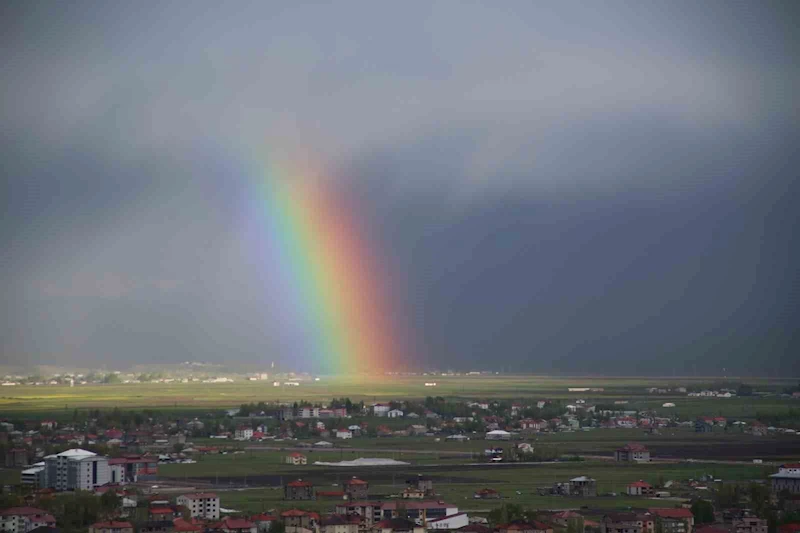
<point x="203" y="505"/>
<point x="76" y="469"/>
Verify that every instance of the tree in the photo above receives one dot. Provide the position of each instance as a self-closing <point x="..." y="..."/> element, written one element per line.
<point x="505" y="514"/>
<point x="703" y="512"/>
<point x="109" y="503"/>
<point x="112" y="379"/>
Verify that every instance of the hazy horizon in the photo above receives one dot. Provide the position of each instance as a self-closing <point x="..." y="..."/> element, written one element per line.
<point x="566" y="188"/>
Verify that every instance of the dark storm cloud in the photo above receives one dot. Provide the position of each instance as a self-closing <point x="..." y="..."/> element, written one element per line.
<point x="573" y="187"/>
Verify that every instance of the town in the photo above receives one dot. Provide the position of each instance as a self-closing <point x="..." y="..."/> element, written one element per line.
<point x="578" y="462"/>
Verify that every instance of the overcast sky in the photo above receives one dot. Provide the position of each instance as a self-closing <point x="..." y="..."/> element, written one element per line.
<point x="572" y="187"/>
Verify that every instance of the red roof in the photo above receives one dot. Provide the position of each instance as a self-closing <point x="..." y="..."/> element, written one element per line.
<point x="293" y="513"/>
<point x="161" y="510"/>
<point x="192" y="525"/>
<point x="791" y="465"/>
<point x="299" y="483"/>
<point x="355" y="481"/>
<point x="794" y="527"/>
<point x="643" y="484"/>
<point x="634" y="448"/>
<point x="296" y="454"/>
<point x="672" y="513"/>
<point x="263" y="518"/>
<point x="235" y="523"/>
<point x="22" y="511"/>
<point x="111" y="524"/>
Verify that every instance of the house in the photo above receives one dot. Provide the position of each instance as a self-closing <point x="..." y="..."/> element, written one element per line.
<point x="380" y="409"/>
<point x="758" y="428"/>
<point x="627" y="523"/>
<point x="413" y="493"/>
<point x="298" y="490"/>
<point x="486" y="494"/>
<point x="417" y="429"/>
<point x="193" y="525"/>
<point x="418" y="511"/>
<point x="164" y="512"/>
<point x="132" y="468"/>
<point x="344" y="434"/>
<point x="356" y="489"/>
<point x="787" y="478"/>
<point x="339" y="524"/>
<point x="24" y="519"/>
<point x="243" y="433"/>
<point x="449" y="523"/>
<point x="678" y="520"/>
<point x="395" y="413"/>
<point x="296" y="459"/>
<point x="112" y="526"/>
<point x="323" y="444"/>
<point x="397" y="525"/>
<point x="235" y="525"/>
<point x="523" y="526"/>
<point x="423" y="483"/>
<point x="704" y="424"/>
<point x="297" y="521"/>
<point x="632" y="453"/>
<point x="498" y="434"/>
<point x="203" y="505"/>
<point x="640" y="488"/>
<point x="535" y="425"/>
<point x="582" y="486"/>
<point x="263" y="522"/>
<point x="76" y="469"/>
<point x="750" y="524"/>
<point x="16" y="457"/>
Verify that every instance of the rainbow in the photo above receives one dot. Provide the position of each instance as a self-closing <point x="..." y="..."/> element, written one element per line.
<point x="330" y="273"/>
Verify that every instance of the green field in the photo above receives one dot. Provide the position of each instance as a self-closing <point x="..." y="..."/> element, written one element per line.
<point x="51" y="400"/>
<point x="455" y="484"/>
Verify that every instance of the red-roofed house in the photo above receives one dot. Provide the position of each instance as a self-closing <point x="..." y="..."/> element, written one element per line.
<point x="111" y="526"/>
<point x="23" y="519"/>
<point x="296" y="459"/>
<point x="397" y="525"/>
<point x="632" y="452"/>
<point x="235" y="525"/>
<point x="640" y="488"/>
<point x="299" y="521"/>
<point x="193" y="525"/>
<point x="298" y="490"/>
<point x="164" y="512"/>
<point x="263" y="521"/>
<point x="486" y="494"/>
<point x="339" y="524"/>
<point x="356" y="489"/>
<point x="678" y="520"/>
<point x="794" y="527"/>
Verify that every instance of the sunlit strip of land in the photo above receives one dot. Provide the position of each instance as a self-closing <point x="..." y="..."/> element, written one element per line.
<point x="203" y="396"/>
